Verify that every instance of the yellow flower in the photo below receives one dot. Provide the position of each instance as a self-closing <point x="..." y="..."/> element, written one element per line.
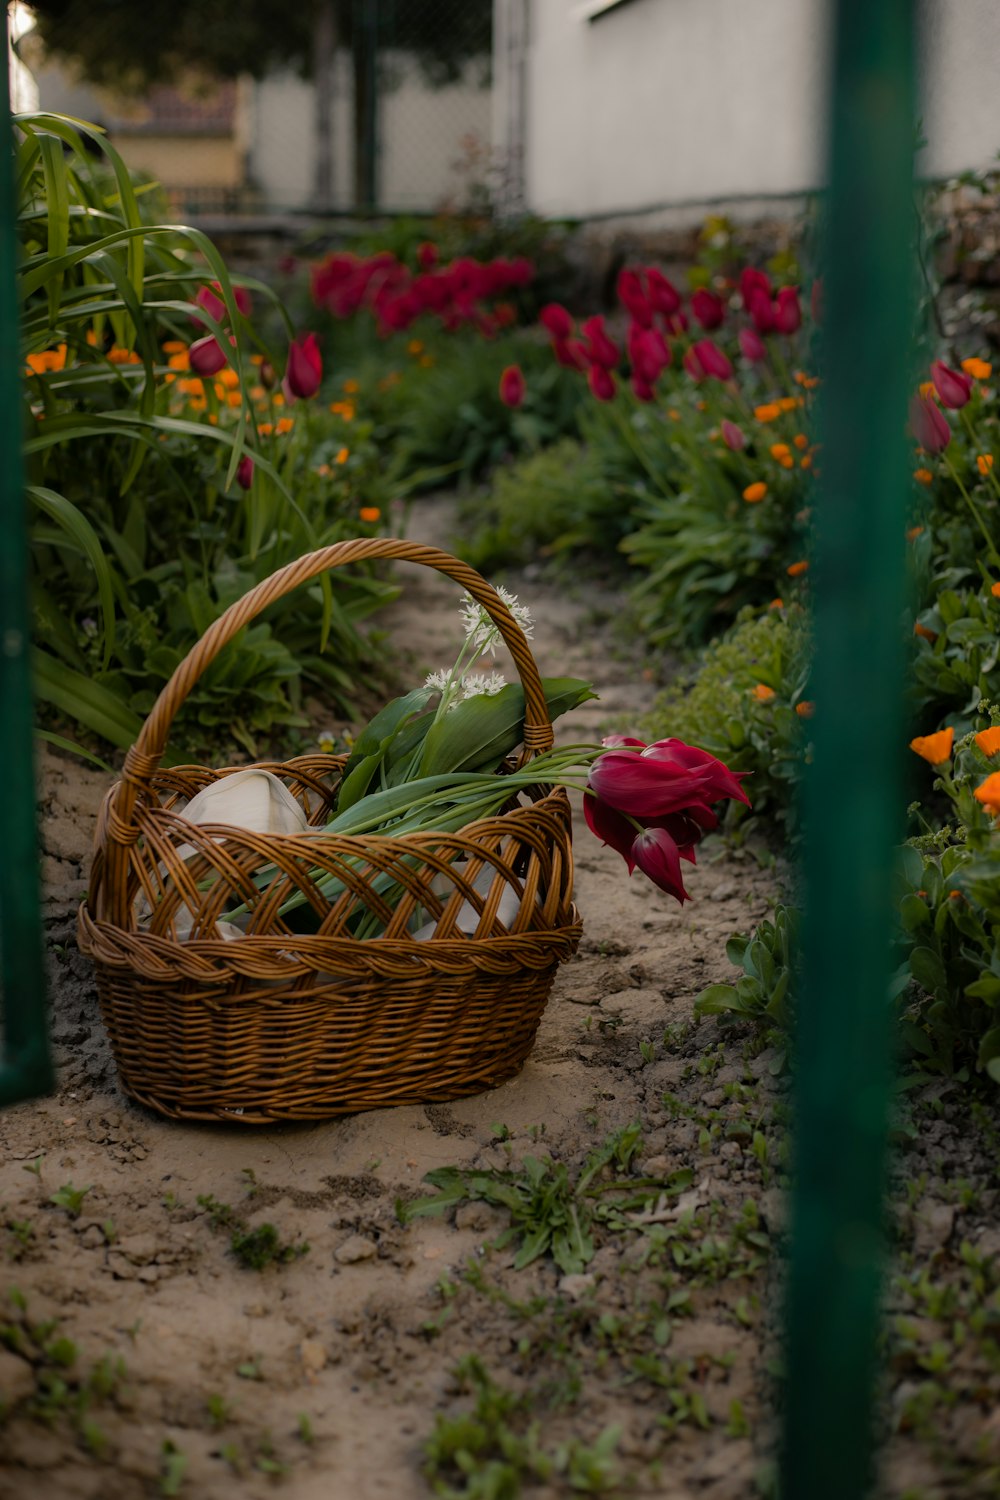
<point x="934" y="748"/>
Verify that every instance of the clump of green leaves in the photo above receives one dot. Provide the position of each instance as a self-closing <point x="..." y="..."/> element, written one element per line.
<point x="255" y="1248"/>
<point x="551" y="1212"/>
<point x="767" y="957"/>
<point x="63" y="1390"/>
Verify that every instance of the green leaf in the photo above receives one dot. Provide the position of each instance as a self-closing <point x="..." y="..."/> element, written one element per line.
<point x="76" y="526"/>
<point x="85" y="700"/>
<point x="74" y="749"/>
<point x="913" y="913"/>
<point x="928" y="971"/>
<point x="483" y="730"/>
<point x="716" y="999"/>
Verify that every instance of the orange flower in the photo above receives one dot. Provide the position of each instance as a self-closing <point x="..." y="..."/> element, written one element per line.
<point x="324" y="471"/>
<point x="780" y="450"/>
<point x="755" y="492"/>
<point x="369" y="513"/>
<point x="927" y="388"/>
<point x="989" y="794"/>
<point x="934" y="748"/>
<point x="913" y="533"/>
<point x="800" y="440"/>
<point x="769" y="412"/>
<point x="673" y="414"/>
<point x="258" y="393"/>
<point x="805" y="462"/>
<point x="923" y="476"/>
<point x="123" y="356"/>
<point x="977" y="368"/>
<point x="789" y="403"/>
<point x="924" y="632"/>
<point x="198" y="403"/>
<point x="415" y="346"/>
<point x="192" y="387"/>
<point x="995" y="590"/>
<point x="796" y="569"/>
<point x="701" y="406"/>
<point x="787" y="461"/>
<point x="805" y="709"/>
<point x="343" y="455"/>
<point x="48" y="359"/>
<point x="265" y="428"/>
<point x="229" y="378"/>
<point x="776" y="604"/>
<point x="762" y="693"/>
<point x="426" y="361"/>
<point x="234" y="398"/>
<point x="285" y="424"/>
<point x="345" y="409"/>
<point x="179" y="361"/>
<point x="278" y="399"/>
<point x="988" y="740"/>
<point x="351" y="387"/>
<point x="174" y="346"/>
<point x="984" y="462"/>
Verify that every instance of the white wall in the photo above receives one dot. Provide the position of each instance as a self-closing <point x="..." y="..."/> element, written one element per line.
<point x="665" y="103"/>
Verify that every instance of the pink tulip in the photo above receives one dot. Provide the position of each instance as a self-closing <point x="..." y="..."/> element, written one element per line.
<point x="954" y="387"/>
<point x="244" y="472"/>
<point x="512" y="386"/>
<point x="304" y="370"/>
<point x="712" y="360"/>
<point x="752" y="346"/>
<point x="709" y="310"/>
<point x="733" y="436"/>
<point x="213" y="305"/>
<point x="787" y="310"/>
<point x="929" y="425"/>
<point x="663" y="295"/>
<point x="556" y="320"/>
<point x="206" y="356"/>
<point x="601" y="382"/>
<point x="600" y="349"/>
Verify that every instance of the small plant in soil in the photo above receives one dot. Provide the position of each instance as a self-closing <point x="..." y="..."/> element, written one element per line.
<point x="70" y="1198"/>
<point x="254" y="1248"/>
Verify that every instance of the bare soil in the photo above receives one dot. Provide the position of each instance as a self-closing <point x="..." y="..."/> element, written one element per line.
<point x="139" y="1357"/>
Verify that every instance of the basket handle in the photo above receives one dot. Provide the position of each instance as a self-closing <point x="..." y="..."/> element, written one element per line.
<point x="142" y="760"/>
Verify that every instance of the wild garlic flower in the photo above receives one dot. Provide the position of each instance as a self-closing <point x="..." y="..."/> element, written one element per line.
<point x="489" y="683"/>
<point x="438" y="680"/>
<point x="480" y="630"/>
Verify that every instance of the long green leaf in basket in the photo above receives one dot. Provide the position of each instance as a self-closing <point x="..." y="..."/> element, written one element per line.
<point x="481" y="731"/>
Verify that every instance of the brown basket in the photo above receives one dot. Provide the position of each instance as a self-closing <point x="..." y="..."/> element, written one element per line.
<point x="275" y="1025"/>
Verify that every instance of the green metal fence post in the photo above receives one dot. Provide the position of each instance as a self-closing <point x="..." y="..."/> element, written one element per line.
<point x="25" y="1063"/>
<point x="853" y="797"/>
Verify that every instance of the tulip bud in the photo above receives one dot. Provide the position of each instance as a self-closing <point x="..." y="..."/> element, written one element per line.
<point x="954" y="388"/>
<point x="708" y="309"/>
<point x="601" y="382"/>
<point x="304" y="369"/>
<point x="556" y="320"/>
<point x="206" y="356"/>
<point x="761" y="310"/>
<point x="244" y="472"/>
<point x="213" y="305"/>
<point x="600" y="349"/>
<point x="648" y="353"/>
<point x="754" y="283"/>
<point x="633" y="298"/>
<point x="512" y="386"/>
<point x="733" y="436"/>
<point x="663" y="295"/>
<point x="930" y="427"/>
<point x="712" y="360"/>
<point x="787" y="311"/>
<point x="752" y="345"/>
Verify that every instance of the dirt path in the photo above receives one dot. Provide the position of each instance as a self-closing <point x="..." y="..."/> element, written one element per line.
<point x="142" y="1359"/>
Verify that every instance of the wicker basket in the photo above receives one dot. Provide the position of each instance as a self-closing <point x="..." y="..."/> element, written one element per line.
<point x="279" y="1026"/>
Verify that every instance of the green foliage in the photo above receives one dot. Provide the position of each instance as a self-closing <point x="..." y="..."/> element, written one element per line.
<point x="65" y="1391"/>
<point x="718" y="706"/>
<point x="255" y="1248"/>
<point x="958" y="669"/>
<point x="767" y="957"/>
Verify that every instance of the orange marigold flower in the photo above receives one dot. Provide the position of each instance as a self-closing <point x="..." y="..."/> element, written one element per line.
<point x="769" y="412"/>
<point x="48" y="359"/>
<point x="923" y="476"/>
<point x="285" y="424"/>
<point x="989" y="794"/>
<point x="234" y="398"/>
<point x="258" y="393"/>
<point x="805" y="462"/>
<point x="343" y="454"/>
<point x="123" y="356"/>
<point x="198" y="403"/>
<point x="324" y="471"/>
<point x="988" y="740"/>
<point x="913" y="533"/>
<point x="369" y="513"/>
<point x="673" y="414"/>
<point x="800" y="440"/>
<point x="229" y="378"/>
<point x="796" y="569"/>
<point x="924" y="632"/>
<point x="984" y="462"/>
<point x="787" y="461"/>
<point x="805" y="708"/>
<point x="776" y="604"/>
<point x="755" y="492"/>
<point x="762" y="693"/>
<point x="934" y="748"/>
<point x="979" y="369"/>
<point x="780" y="450"/>
<point x="179" y="361"/>
<point x="193" y="387"/>
<point x="351" y="387"/>
<point x="174" y="346"/>
<point x="789" y="403"/>
<point x="415" y="346"/>
<point x="265" y="428"/>
<point x="995" y="590"/>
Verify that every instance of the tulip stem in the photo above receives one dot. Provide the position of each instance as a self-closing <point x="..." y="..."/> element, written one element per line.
<point x="990" y="544"/>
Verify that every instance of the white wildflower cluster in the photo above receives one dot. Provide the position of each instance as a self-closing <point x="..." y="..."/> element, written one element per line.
<point x="480" y="629"/>
<point x="489" y="683"/>
<point x="437" y="680"/>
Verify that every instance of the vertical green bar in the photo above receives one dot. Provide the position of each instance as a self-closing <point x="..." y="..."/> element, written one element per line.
<point x="854" y="796"/>
<point x="25" y="1063"/>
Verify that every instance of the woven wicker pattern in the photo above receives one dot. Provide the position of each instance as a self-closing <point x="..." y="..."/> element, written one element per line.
<point x="281" y="1025"/>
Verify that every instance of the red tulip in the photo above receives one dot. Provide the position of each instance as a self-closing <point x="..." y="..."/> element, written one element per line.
<point x="954" y="387"/>
<point x="600" y="349"/>
<point x="733" y="436"/>
<point x="512" y="386"/>
<point x="641" y="389"/>
<point x="427" y="255"/>
<point x="244" y="472"/>
<point x="676" y="322"/>
<point x="754" y="282"/>
<point x="712" y="360"/>
<point x="691" y="365"/>
<point x="752" y="346"/>
<point x="663" y="295"/>
<point x="761" y="310"/>
<point x="633" y="298"/>
<point x="659" y="859"/>
<point x="556" y="320"/>
<point x="721" y="781"/>
<point x="213" y="305"/>
<point x="929" y="425"/>
<point x="787" y="311"/>
<point x="207" y="356"/>
<point x="708" y="309"/>
<point x="601" y="382"/>
<point x="648" y="354"/>
<point x="304" y="370"/>
<point x="571" y="353"/>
